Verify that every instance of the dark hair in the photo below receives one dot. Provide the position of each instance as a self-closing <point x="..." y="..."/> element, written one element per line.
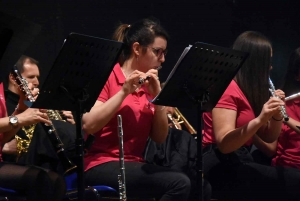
<point x="291" y="85"/>
<point x="253" y="76"/>
<point x="22" y="60"/>
<point x="143" y="32"/>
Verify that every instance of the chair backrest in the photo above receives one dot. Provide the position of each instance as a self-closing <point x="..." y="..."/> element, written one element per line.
<point x="71" y="181"/>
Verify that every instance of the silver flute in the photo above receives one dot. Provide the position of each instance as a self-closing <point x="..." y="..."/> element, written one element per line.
<point x="291" y="97"/>
<point x="272" y="90"/>
<point x="121" y="176"/>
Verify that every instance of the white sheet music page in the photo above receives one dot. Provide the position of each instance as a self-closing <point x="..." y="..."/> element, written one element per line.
<point x="185" y="51"/>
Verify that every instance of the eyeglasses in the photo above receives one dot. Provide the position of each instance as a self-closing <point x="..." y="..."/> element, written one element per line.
<point x="159" y="51"/>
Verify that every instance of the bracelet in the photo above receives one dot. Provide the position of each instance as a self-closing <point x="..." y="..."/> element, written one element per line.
<point x="277" y="119"/>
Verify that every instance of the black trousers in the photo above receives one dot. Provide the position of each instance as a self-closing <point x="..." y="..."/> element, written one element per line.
<point x="142" y="180"/>
<point x="36" y="183"/>
<point x="235" y="176"/>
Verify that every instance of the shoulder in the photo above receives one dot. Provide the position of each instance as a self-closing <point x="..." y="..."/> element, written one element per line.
<point x="231" y="97"/>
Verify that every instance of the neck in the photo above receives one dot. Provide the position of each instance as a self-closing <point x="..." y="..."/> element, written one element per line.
<point x="129" y="66"/>
<point x="12" y="88"/>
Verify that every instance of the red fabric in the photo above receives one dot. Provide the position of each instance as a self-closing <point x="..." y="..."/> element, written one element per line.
<point x="234" y="99"/>
<point x="137" y="114"/>
<point x="2" y="114"/>
<point x="288" y="147"/>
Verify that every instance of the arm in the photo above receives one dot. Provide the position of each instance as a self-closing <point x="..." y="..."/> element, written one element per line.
<point x="159" y="127"/>
<point x="102" y="112"/>
<point x="275" y="123"/>
<point x="228" y="137"/>
<point x="269" y="149"/>
<point x="26" y="116"/>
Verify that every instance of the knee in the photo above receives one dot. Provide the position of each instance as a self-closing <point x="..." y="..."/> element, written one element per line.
<point x="182" y="183"/>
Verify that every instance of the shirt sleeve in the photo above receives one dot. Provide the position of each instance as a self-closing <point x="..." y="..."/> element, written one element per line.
<point x="104" y="94"/>
<point x="229" y="99"/>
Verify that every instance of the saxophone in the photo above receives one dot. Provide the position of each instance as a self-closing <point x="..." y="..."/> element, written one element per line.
<point x="55" y="115"/>
<point x="22" y="143"/>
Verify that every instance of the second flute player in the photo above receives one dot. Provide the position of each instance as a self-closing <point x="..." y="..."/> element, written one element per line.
<point x="145" y="44"/>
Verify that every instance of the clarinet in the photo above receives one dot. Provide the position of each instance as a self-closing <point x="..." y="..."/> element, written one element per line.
<point x="272" y="90"/>
<point x="121" y="176"/>
<point x="67" y="164"/>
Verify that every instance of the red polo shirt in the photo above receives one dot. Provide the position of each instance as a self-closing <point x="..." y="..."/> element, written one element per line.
<point x="234" y="99"/>
<point x="137" y="114"/>
<point x="288" y="147"/>
<point x="2" y="114"/>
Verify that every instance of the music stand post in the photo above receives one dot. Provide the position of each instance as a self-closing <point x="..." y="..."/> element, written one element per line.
<point x="198" y="80"/>
<point x="75" y="81"/>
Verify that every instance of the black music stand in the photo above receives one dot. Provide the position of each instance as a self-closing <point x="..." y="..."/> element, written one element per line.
<point x="198" y="80"/>
<point x="75" y="81"/>
<point x="15" y="37"/>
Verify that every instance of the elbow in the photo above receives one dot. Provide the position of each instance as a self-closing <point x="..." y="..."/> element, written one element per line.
<point x="268" y="139"/>
<point x="224" y="149"/>
<point x="223" y="146"/>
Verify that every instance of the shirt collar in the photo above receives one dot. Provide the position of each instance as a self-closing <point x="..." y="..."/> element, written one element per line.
<point x="120" y="77"/>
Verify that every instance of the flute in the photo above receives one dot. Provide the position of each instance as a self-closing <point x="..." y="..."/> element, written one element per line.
<point x="272" y="90"/>
<point x="142" y="80"/>
<point x="121" y="176"/>
<point x="291" y="97"/>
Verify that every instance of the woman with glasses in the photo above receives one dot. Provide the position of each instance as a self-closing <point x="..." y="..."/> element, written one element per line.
<point x="132" y="83"/>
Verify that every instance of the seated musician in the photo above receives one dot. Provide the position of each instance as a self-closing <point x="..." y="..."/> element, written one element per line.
<point x="244" y="113"/>
<point x="37" y="184"/>
<point x="126" y="92"/>
<point x="31" y="145"/>
<point x="285" y="151"/>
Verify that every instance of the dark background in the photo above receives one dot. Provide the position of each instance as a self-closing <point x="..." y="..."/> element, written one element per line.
<point x="216" y="22"/>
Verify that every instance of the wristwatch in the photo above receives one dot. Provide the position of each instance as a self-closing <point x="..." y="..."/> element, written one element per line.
<point x="13" y="120"/>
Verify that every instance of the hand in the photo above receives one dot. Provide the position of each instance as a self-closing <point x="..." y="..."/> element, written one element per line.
<point x="153" y="84"/>
<point x="68" y="115"/>
<point x="132" y="82"/>
<point x="25" y="97"/>
<point x="33" y="116"/>
<point x="271" y="108"/>
<point x="10" y="147"/>
<point x="280" y="94"/>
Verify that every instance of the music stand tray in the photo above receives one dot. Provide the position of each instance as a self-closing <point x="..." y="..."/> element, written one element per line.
<point x="198" y="80"/>
<point x="75" y="81"/>
<point x="15" y="37"/>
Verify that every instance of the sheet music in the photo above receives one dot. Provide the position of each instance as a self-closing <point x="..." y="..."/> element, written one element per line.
<point x="185" y="51"/>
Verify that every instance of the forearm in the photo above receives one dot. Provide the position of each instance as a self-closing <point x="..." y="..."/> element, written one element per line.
<point x="269" y="149"/>
<point x="271" y="132"/>
<point x="236" y="138"/>
<point x="159" y="129"/>
<point x="7" y="129"/>
<point x="101" y="114"/>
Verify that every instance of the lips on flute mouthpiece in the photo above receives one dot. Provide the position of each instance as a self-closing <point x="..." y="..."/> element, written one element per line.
<point x="158" y="68"/>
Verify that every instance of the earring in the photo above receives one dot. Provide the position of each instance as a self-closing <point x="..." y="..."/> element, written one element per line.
<point x="137" y="58"/>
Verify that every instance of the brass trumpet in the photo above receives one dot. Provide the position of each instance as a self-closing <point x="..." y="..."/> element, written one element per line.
<point x="178" y="118"/>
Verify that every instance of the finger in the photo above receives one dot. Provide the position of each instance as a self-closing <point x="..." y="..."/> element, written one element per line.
<point x="43" y="110"/>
